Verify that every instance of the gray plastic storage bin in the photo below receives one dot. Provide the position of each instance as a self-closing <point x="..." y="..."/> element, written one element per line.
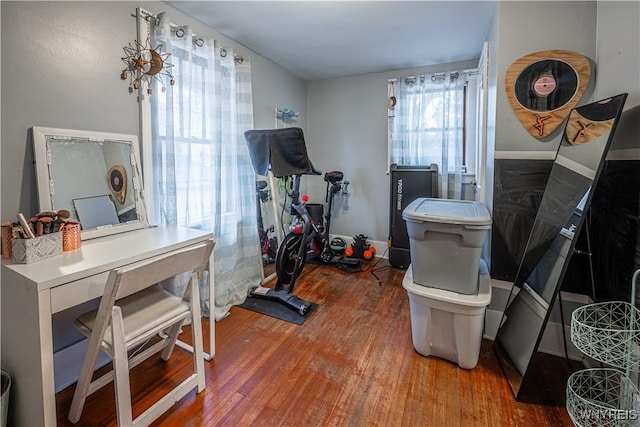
<point x="446" y="238"/>
<point x="449" y="324"/>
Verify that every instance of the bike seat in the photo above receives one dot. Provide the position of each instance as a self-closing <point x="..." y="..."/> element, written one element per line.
<point x="333" y="176"/>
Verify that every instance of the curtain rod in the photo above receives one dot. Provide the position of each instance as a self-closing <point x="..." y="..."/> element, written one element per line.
<point x="149" y="15"/>
<point x="467" y="72"/>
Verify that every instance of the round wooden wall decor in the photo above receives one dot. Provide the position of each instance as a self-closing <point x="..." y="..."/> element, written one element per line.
<point x="543" y="87"/>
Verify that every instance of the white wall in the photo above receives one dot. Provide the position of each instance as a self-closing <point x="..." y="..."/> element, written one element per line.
<point x="347" y="116"/>
<point x="618" y="51"/>
<point x="347" y="131"/>
<point x="618" y="57"/>
<point x="530" y="26"/>
<point x="607" y="32"/>
<point x="60" y="68"/>
<point x="61" y="64"/>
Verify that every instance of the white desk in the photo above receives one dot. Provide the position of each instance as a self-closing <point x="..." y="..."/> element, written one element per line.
<point x="32" y="293"/>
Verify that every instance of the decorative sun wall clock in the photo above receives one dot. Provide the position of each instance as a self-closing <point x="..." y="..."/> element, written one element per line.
<point x="145" y="64"/>
<point x="543" y="87"/>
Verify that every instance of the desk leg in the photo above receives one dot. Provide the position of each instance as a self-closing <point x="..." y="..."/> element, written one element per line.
<point x="27" y="353"/>
<point x="212" y="320"/>
<point x="46" y="343"/>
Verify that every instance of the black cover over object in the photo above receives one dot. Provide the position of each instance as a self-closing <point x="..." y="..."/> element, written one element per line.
<point x="282" y="149"/>
<point x="407" y="184"/>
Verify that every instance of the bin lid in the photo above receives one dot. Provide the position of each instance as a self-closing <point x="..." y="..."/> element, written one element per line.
<point x="447" y="211"/>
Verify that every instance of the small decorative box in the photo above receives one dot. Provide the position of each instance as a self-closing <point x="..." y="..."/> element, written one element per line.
<point x="25" y="251"/>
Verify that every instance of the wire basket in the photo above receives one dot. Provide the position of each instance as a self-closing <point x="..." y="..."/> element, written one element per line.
<point x="608" y="332"/>
<point x="602" y="397"/>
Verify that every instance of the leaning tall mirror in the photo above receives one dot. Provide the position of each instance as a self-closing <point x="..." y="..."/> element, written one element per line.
<point x="93" y="175"/>
<point x="560" y="217"/>
<point x="269" y="232"/>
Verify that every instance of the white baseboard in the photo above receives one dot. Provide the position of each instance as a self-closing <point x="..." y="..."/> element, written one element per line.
<point x="381" y="247"/>
<point x="624" y="154"/>
<point x="525" y="155"/>
<point x="552" y="342"/>
<point x="491" y="322"/>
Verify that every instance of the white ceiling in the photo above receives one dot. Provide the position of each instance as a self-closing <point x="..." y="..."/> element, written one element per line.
<point x="318" y="40"/>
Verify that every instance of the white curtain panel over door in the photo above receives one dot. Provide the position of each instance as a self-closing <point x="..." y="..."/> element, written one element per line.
<point x="203" y="176"/>
<point x="426" y="125"/>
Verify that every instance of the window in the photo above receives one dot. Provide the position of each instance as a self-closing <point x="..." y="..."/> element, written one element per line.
<point x="433" y="121"/>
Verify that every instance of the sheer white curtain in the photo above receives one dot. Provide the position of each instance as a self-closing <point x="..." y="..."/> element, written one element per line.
<point x="426" y="126"/>
<point x="203" y="176"/>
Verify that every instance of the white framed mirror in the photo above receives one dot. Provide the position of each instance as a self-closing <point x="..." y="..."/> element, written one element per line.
<point x="93" y="175"/>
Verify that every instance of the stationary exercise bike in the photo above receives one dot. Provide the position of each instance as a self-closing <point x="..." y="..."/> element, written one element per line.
<point x="306" y="239"/>
<point x="284" y="152"/>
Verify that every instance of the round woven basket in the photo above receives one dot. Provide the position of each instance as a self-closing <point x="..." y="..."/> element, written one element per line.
<point x="608" y="332"/>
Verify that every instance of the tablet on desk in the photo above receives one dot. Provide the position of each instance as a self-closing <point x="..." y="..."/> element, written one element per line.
<point x="96" y="211"/>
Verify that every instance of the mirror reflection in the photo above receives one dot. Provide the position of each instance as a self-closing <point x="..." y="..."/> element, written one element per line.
<point x="268" y="230"/>
<point x="272" y="215"/>
<point x="564" y="191"/>
<point x="92" y="175"/>
<point x="551" y="242"/>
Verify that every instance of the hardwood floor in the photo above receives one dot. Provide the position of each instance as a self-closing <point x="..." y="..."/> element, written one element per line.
<point x="351" y="363"/>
